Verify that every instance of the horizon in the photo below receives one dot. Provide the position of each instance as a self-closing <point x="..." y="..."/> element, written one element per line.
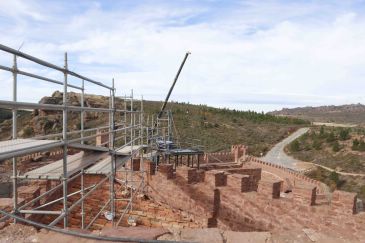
<point x="246" y="55"/>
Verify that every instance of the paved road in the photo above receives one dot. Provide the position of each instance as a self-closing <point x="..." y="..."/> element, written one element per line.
<point x="277" y="155"/>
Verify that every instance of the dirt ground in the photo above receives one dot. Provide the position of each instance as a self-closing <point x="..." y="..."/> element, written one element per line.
<point x="26" y="234"/>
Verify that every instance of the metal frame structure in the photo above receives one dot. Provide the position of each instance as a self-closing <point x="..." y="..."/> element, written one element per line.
<point x="121" y="134"/>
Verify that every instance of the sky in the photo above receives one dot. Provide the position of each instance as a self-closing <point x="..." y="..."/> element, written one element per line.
<point x="246" y="55"/>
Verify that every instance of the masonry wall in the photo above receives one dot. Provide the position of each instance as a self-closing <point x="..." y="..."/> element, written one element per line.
<point x="290" y="178"/>
<point x="237" y="152"/>
<point x="177" y="190"/>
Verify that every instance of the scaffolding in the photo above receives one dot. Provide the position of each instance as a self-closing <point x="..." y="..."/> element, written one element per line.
<point x="126" y="139"/>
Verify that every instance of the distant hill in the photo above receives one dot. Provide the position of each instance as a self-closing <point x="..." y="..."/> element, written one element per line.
<point x="353" y="113"/>
<point x="217" y="128"/>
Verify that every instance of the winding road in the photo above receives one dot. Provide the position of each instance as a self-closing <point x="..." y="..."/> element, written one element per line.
<point x="277" y="155"/>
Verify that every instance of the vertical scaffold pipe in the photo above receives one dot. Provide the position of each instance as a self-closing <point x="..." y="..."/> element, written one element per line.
<point x="14" y="136"/>
<point x="64" y="136"/>
<point x="111" y="148"/>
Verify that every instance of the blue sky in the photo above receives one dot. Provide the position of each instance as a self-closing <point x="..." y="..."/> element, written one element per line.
<point x="258" y="55"/>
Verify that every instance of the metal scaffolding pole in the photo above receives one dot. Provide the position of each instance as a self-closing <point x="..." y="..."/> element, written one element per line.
<point x="112" y="154"/>
<point x="82" y="112"/>
<point x="125" y="119"/>
<point x="14" y="133"/>
<point x="141" y="135"/>
<point x="82" y="203"/>
<point x="132" y="143"/>
<point x="64" y="136"/>
<point x="136" y="127"/>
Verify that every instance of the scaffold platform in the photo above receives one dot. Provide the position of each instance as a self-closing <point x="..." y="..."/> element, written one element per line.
<point x="75" y="163"/>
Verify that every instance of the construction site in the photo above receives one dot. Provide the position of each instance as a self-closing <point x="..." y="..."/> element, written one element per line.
<point x="132" y="180"/>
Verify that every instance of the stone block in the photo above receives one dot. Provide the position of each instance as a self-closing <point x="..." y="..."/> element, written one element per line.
<point x="240" y="182"/>
<point x="216" y="178"/>
<point x="167" y="170"/>
<point x="270" y="188"/>
<point x="305" y="194"/>
<point x="135" y="166"/>
<point x="189" y="174"/>
<point x="344" y="201"/>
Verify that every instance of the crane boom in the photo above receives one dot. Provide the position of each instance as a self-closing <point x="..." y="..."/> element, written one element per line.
<point x="172" y="86"/>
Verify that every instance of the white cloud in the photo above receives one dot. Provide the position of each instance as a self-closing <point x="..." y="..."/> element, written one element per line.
<point x="272" y="54"/>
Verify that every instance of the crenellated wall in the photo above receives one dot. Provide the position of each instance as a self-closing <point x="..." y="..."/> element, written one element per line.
<point x="237" y="152"/>
<point x="290" y="178"/>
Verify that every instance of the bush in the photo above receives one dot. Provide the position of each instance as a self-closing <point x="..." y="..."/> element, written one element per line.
<point x="355" y="144"/>
<point x="331" y="137"/>
<point x="317" y="144"/>
<point x="345" y="134"/>
<point x="321" y="132"/>
<point x="361" y="146"/>
<point x="336" y="147"/>
<point x="334" y="177"/>
<point x="358" y="145"/>
<point x="294" y="146"/>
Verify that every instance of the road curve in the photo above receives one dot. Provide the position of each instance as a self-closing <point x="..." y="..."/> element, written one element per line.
<point x="277" y="155"/>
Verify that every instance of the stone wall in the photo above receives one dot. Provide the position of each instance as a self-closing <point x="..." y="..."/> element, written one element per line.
<point x="289" y="177"/>
<point x="344" y="202"/>
<point x="237" y="152"/>
<point x="182" y="191"/>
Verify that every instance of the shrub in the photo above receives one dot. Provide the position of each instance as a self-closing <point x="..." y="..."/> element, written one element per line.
<point x="331" y="137"/>
<point x="355" y="144"/>
<point x="295" y="146"/>
<point x="317" y="144"/>
<point x="336" y="147"/>
<point x="322" y="133"/>
<point x="361" y="146"/>
<point x="345" y="134"/>
<point x="334" y="177"/>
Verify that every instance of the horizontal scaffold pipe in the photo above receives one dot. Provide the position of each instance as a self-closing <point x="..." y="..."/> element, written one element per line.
<point x="38" y="148"/>
<point x="37" y="76"/>
<point x="26" y="105"/>
<point x="50" y="65"/>
<point x="85" y="235"/>
<point x="41" y="212"/>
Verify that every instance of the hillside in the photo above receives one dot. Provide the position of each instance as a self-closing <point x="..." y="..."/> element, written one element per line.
<point x="342" y="149"/>
<point x="352" y="114"/>
<point x="216" y="128"/>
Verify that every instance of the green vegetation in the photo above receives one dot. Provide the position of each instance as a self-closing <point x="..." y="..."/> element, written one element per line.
<point x="340" y="182"/>
<point x="358" y="145"/>
<point x="331" y="147"/>
<point x="218" y="129"/>
<point x="337" y="148"/>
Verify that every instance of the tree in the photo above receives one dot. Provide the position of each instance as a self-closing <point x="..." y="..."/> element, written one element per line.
<point x="321" y="132"/>
<point x="331" y="137"/>
<point x="295" y="146"/>
<point x="345" y="134"/>
<point x="355" y="144"/>
<point x="361" y="146"/>
<point x="317" y="144"/>
<point x="336" y="146"/>
<point x="334" y="177"/>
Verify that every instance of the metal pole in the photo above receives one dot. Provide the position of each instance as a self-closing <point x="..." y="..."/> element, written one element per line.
<point x="125" y="119"/>
<point x="82" y="112"/>
<point x="132" y="138"/>
<point x="64" y="131"/>
<point x="141" y="161"/>
<point x="15" y="179"/>
<point x="82" y="203"/>
<point x="111" y="147"/>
